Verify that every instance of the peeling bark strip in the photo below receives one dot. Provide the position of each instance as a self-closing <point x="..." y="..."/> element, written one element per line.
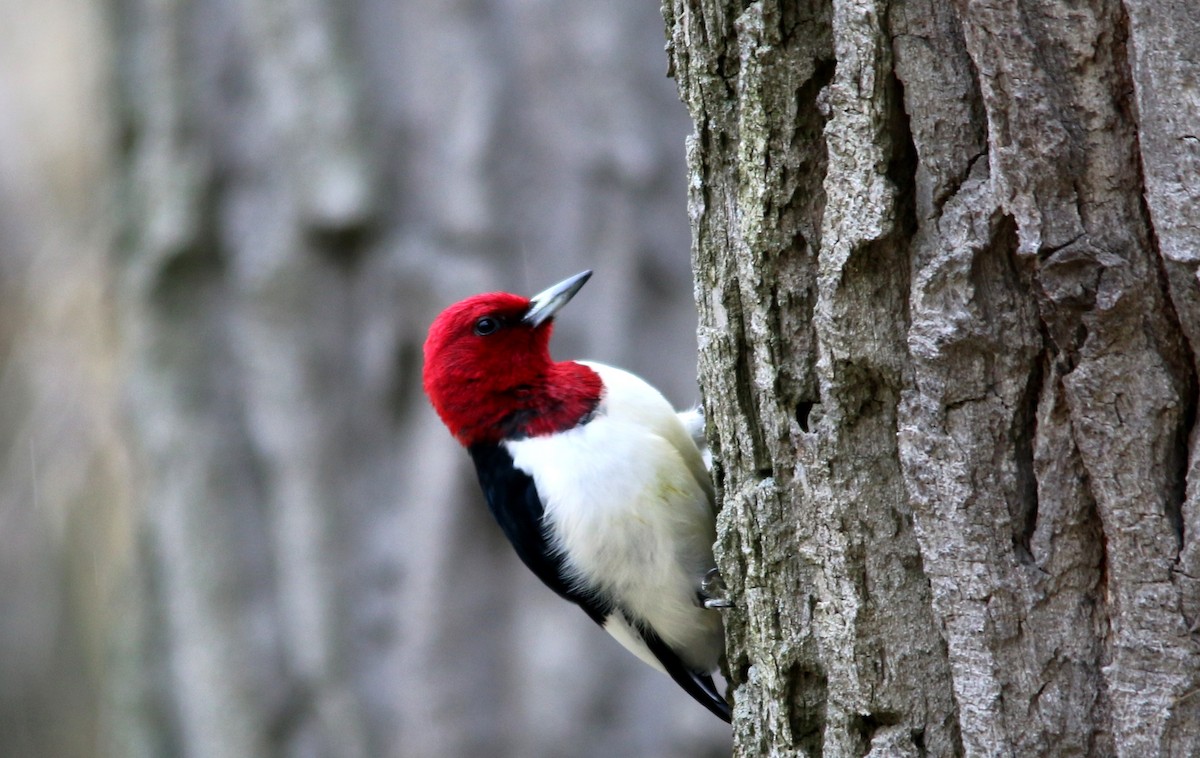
<point x="946" y="260"/>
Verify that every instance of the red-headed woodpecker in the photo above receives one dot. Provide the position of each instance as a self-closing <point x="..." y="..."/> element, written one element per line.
<point x="591" y="475"/>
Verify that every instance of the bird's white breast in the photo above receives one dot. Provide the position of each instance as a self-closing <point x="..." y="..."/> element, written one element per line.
<point x="628" y="503"/>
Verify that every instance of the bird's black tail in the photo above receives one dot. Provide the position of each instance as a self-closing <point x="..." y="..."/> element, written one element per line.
<point x="699" y="686"/>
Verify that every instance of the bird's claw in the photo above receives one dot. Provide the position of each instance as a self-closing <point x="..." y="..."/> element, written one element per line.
<point x="712" y="590"/>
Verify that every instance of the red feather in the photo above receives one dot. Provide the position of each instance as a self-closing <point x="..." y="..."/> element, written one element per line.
<point x="503" y="385"/>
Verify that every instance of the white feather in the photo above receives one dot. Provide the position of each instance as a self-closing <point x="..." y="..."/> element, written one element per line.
<point x="628" y="502"/>
<point x="693" y="422"/>
<point x="630" y="638"/>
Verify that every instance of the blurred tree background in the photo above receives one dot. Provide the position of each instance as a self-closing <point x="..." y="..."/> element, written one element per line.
<point x="229" y="523"/>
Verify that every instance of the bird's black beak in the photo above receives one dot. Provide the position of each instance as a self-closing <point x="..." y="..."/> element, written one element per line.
<point x="546" y="303"/>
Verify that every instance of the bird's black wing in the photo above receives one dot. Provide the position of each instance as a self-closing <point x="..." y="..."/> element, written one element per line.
<point x="513" y="500"/>
<point x="697" y="684"/>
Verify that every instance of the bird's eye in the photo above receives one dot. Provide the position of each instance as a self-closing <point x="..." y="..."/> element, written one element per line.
<point x="486" y="325"/>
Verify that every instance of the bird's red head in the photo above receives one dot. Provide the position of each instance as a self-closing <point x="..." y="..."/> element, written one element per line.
<point x="488" y="370"/>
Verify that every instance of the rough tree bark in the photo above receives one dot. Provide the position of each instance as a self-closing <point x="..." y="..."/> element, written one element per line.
<point x="946" y="260"/>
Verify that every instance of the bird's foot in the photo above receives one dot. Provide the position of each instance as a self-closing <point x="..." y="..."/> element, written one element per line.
<point x="713" y="590"/>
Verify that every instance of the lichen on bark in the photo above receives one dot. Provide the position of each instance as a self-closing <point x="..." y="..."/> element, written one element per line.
<point x="947" y="357"/>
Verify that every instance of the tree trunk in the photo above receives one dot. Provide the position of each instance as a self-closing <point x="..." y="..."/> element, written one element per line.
<point x="946" y="260"/>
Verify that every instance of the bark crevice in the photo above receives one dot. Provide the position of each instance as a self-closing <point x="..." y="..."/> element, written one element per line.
<point x="999" y="402"/>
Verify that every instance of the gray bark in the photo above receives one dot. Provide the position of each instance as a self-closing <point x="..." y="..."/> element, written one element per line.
<point x="946" y="259"/>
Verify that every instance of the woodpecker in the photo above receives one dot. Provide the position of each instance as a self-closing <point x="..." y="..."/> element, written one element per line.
<point x="592" y="476"/>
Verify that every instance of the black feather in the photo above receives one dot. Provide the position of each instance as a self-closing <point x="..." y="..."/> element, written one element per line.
<point x="697" y="684"/>
<point x="513" y="500"/>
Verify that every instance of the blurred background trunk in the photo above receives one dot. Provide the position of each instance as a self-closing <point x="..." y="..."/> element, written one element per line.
<point x="231" y="525"/>
<point x="947" y="266"/>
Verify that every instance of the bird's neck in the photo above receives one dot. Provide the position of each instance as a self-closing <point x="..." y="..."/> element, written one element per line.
<point x="555" y="399"/>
